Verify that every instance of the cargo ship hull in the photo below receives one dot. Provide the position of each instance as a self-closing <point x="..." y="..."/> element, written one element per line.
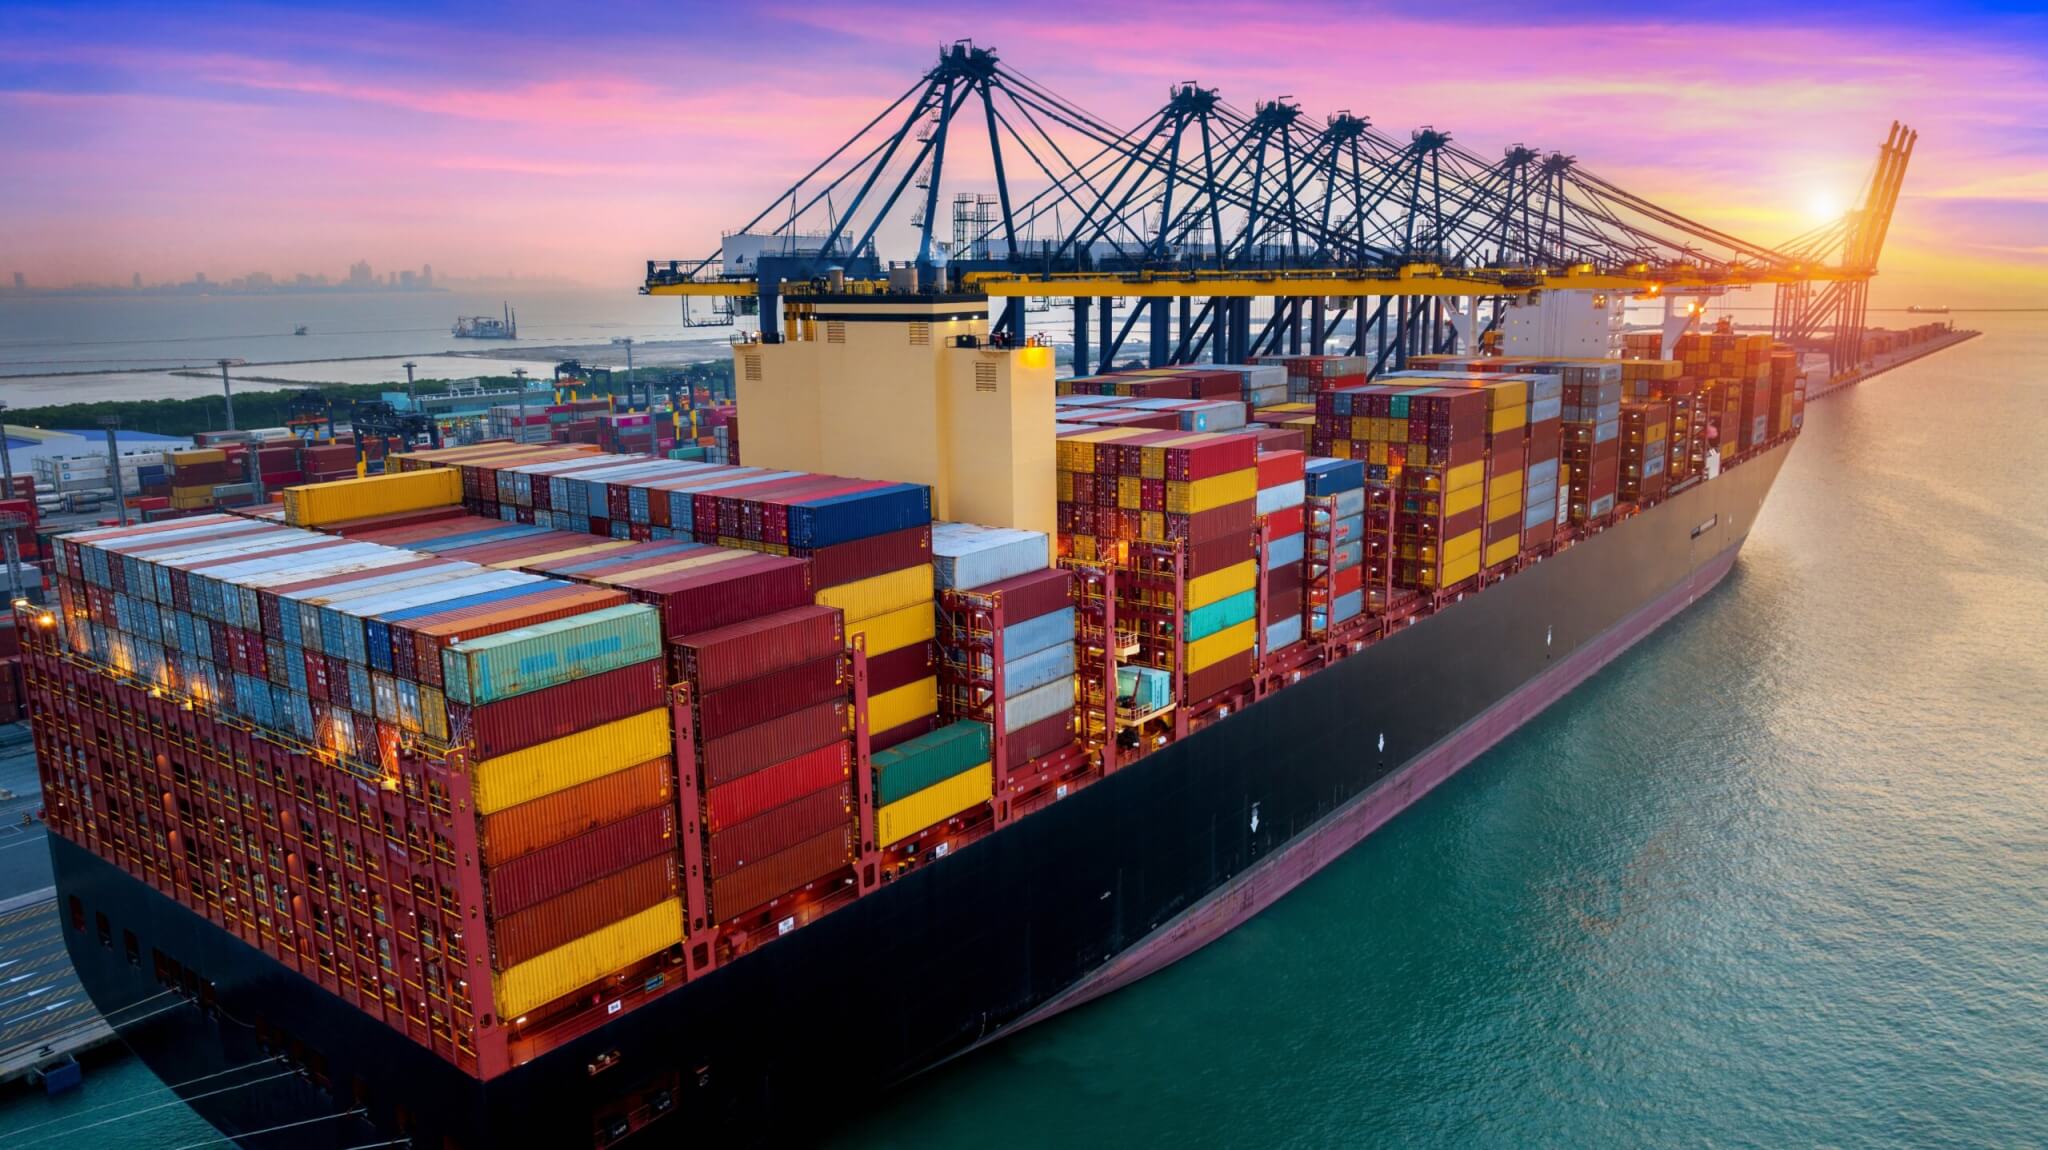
<point x="1085" y="896"/>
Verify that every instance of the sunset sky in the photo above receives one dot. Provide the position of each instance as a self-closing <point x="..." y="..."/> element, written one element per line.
<point x="579" y="140"/>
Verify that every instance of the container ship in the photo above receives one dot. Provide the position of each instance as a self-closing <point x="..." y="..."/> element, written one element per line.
<point x="533" y="795"/>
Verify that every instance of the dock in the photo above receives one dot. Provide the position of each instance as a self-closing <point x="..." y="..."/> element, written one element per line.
<point x="1885" y="363"/>
<point x="45" y="1015"/>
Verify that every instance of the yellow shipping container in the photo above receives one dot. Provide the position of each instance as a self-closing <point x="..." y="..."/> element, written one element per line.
<point x="892" y="709"/>
<point x="1507" y="419"/>
<point x="678" y="565"/>
<point x="880" y="594"/>
<point x="1463" y="499"/>
<point x="1063" y="486"/>
<point x="1340" y="449"/>
<point x="1152" y="525"/>
<point x="573" y="966"/>
<point x="1504" y="484"/>
<point x="1083" y="549"/>
<point x="1130" y="493"/>
<point x="1503" y="506"/>
<point x="197" y="457"/>
<point x="1216" y="586"/>
<point x="314" y="504"/>
<point x="1459" y="570"/>
<point x="1507" y="395"/>
<point x="1203" y="653"/>
<point x="1465" y="475"/>
<point x="543" y="769"/>
<point x="593" y="549"/>
<point x="433" y="713"/>
<point x="934" y="804"/>
<point x="1190" y="498"/>
<point x="1461" y="547"/>
<point x="895" y="630"/>
<point x="1376" y="452"/>
<point x="1503" y="550"/>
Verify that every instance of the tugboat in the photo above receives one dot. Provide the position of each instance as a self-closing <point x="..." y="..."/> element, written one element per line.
<point x="1916" y="309"/>
<point x="488" y="327"/>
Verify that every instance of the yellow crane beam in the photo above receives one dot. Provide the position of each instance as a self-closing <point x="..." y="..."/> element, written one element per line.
<point x="1409" y="280"/>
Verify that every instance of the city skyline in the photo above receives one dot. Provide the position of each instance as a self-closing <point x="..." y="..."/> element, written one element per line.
<point x="278" y="138"/>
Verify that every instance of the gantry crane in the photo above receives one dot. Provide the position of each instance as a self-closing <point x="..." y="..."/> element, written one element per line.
<point x="1204" y="208"/>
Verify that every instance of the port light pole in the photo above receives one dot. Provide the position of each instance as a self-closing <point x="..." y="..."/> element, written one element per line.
<point x="112" y="424"/>
<point x="7" y="458"/>
<point x="227" y="389"/>
<point x="411" y="396"/>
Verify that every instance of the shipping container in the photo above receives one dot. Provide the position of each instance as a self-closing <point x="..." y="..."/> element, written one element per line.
<point x="519" y="883"/>
<point x="520" y="830"/>
<point x="517" y="662"/>
<point x="785" y="872"/>
<point x="532" y="932"/>
<point x="529" y="773"/>
<point x="316" y="504"/>
<point x="933" y="805"/>
<point x="929" y="759"/>
<point x="784" y="737"/>
<point x="573" y="966"/>
<point x="776" y="784"/>
<point x="779" y="828"/>
<point x="967" y="556"/>
<point x="757" y="700"/>
<point x="718" y="658"/>
<point x="502" y="727"/>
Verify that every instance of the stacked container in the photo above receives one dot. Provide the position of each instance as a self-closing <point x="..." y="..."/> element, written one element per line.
<point x="550" y="697"/>
<point x="1645" y="450"/>
<point x="1338" y="542"/>
<point x="771" y="756"/>
<point x="1175" y="513"/>
<point x="1592" y="443"/>
<point x="1283" y="521"/>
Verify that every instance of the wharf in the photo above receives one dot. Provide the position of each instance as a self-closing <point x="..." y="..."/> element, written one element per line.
<point x="45" y="1014"/>
<point x="1885" y="363"/>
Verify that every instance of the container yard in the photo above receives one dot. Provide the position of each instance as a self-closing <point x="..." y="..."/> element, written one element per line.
<point x="613" y="765"/>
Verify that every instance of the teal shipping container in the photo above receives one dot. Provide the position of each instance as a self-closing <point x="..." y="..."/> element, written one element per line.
<point x="1221" y="615"/>
<point x="501" y="666"/>
<point x="912" y="765"/>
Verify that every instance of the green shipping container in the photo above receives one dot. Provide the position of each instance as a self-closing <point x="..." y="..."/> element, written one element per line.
<point x="1221" y="615"/>
<point x="911" y="766"/>
<point x="544" y="655"/>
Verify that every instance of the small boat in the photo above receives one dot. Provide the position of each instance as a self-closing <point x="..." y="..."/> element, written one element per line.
<point x="299" y="330"/>
<point x="1916" y="309"/>
<point x="487" y="327"/>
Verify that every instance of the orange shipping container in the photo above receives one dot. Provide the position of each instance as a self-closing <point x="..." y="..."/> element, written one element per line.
<point x="545" y="821"/>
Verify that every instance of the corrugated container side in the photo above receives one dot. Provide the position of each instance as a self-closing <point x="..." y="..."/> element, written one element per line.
<point x="917" y="623"/>
<point x="781" y="827"/>
<point x="718" y="658"/>
<point x="530" y="658"/>
<point x="859" y="559"/>
<point x="571" y="967"/>
<point x="879" y="741"/>
<point x="932" y="805"/>
<point x="781" y="873"/>
<point x="545" y="821"/>
<point x="1056" y="698"/>
<point x="516" y="938"/>
<point x="917" y="763"/>
<point x="746" y="751"/>
<point x="900" y="705"/>
<point x="556" y="712"/>
<point x="772" y="786"/>
<point x="760" y="699"/>
<point x="1023" y="744"/>
<point x="547" y="872"/>
<point x="1026" y="597"/>
<point x="529" y="773"/>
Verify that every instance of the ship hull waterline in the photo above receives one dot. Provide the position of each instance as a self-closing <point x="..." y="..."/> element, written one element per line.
<point x="1070" y="903"/>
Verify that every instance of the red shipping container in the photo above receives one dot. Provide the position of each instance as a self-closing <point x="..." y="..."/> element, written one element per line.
<point x="1219" y="676"/>
<point x="559" y="711"/>
<point x="772" y="786"/>
<point x="533" y="878"/>
<point x="779" y="874"/>
<point x="1041" y="738"/>
<point x="1214" y="555"/>
<point x="879" y="741"/>
<point x="780" y="828"/>
<point x="1034" y="594"/>
<point x="707" y="598"/>
<point x="1348" y="580"/>
<point x="567" y="917"/>
<point x="744" y="752"/>
<point x="521" y="830"/>
<point x="718" y="658"/>
<point x="1279" y="468"/>
<point x="763" y="697"/>
<point x="901" y="667"/>
<point x="1287" y="521"/>
<point x="1283" y="604"/>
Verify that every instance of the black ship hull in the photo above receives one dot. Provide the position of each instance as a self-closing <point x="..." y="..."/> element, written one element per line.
<point x="1084" y="896"/>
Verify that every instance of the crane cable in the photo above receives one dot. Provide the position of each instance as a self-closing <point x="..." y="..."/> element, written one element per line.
<point x="159" y="1086"/>
<point x="271" y="1130"/>
<point x="150" y="1109"/>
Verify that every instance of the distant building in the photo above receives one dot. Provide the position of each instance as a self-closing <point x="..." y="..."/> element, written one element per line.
<point x="260" y="281"/>
<point x="20" y="282"/>
<point x="199" y="278"/>
<point x="136" y="282"/>
<point x="427" y="275"/>
<point x="359" y="274"/>
<point x="405" y="280"/>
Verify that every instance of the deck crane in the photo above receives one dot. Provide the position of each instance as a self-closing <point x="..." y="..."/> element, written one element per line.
<point x="1203" y="208"/>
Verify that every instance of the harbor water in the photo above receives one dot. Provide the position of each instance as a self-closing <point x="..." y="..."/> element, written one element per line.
<point x="1777" y="877"/>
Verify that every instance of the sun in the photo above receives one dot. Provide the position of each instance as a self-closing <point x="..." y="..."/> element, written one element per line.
<point x="1823" y="206"/>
